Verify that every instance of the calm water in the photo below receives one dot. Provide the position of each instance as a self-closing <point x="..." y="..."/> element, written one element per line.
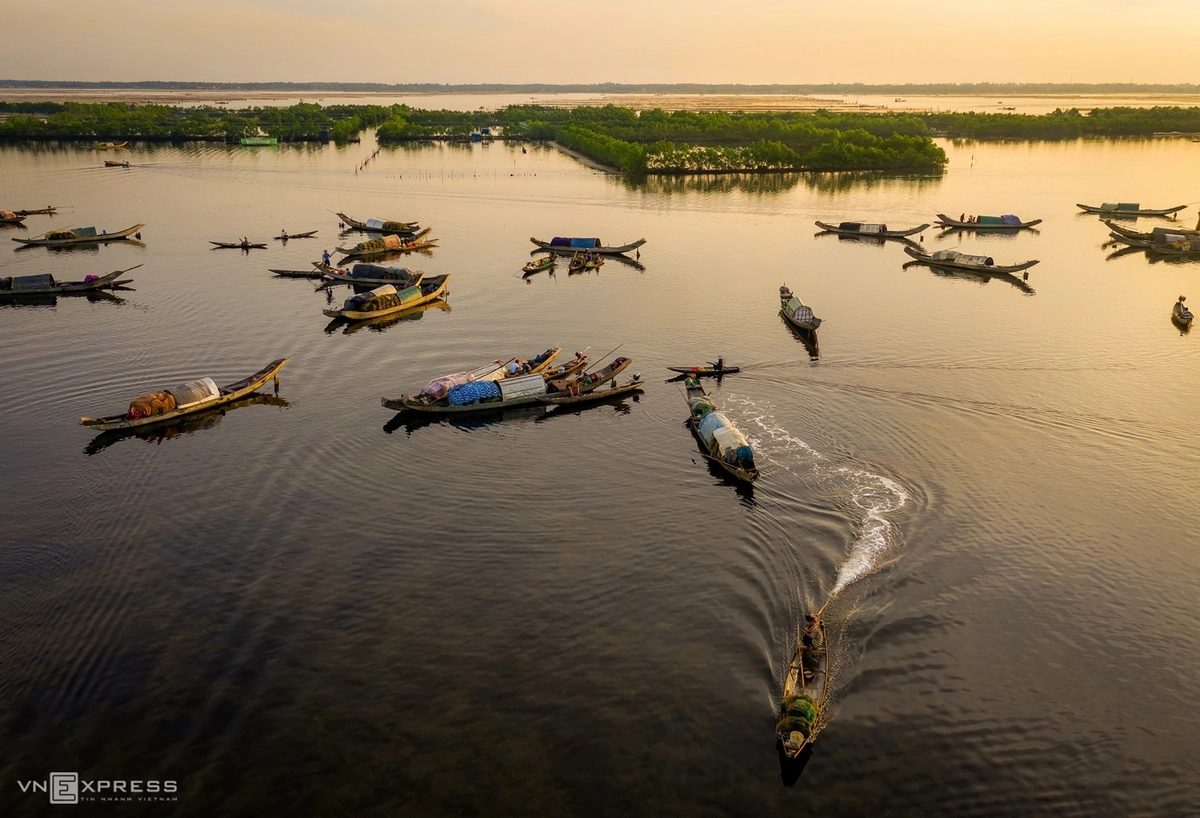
<point x="311" y="606"/>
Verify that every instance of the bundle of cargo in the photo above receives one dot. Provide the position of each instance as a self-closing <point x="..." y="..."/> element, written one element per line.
<point x="151" y="403"/>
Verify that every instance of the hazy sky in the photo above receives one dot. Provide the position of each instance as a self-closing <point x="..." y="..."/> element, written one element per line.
<point x="563" y="41"/>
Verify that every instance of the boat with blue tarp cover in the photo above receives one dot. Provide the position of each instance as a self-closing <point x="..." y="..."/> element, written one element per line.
<point x="481" y="395"/>
<point x="439" y="388"/>
<point x="561" y="243"/>
<point x="725" y="444"/>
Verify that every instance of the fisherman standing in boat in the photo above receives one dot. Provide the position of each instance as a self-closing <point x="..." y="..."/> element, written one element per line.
<point x="325" y="258"/>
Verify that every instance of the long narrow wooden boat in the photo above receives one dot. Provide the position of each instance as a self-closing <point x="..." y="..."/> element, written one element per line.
<point x="724" y="443"/>
<point x="871" y="231"/>
<point x="391" y="243"/>
<point x="805" y="691"/>
<point x="377" y="303"/>
<point x="289" y="236"/>
<point x="710" y="371"/>
<point x="45" y="284"/>
<point x="196" y="422"/>
<point x="237" y="245"/>
<point x="1121" y="233"/>
<point x="112" y="163"/>
<point x="79" y="235"/>
<point x="1128" y="209"/>
<point x="582" y="384"/>
<point x="48" y="210"/>
<point x="563" y="245"/>
<point x="436" y="390"/>
<point x="196" y="396"/>
<point x="369" y="274"/>
<point x="963" y="261"/>
<point x="9" y="217"/>
<point x="313" y="273"/>
<point x="985" y="223"/>
<point x="479" y="396"/>
<point x="563" y="399"/>
<point x="380" y="225"/>
<point x="1180" y="314"/>
<point x="796" y="312"/>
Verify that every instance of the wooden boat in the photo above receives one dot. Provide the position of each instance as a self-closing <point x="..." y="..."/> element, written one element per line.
<point x="48" y="210"/>
<point x="540" y="264"/>
<point x="386" y="300"/>
<point x="1128" y="209"/>
<point x="1180" y="314"/>
<point x="796" y="312"/>
<point x="871" y="231"/>
<point x="561" y="244"/>
<point x="196" y="422"/>
<point x="380" y="226"/>
<point x="725" y="445"/>
<point x="313" y="273"/>
<point x="9" y="217"/>
<point x="1177" y="246"/>
<point x="237" y="245"/>
<point x="45" y="284"/>
<point x="112" y="163"/>
<point x="563" y="399"/>
<point x="710" y="371"/>
<point x="78" y="235"/>
<point x="436" y="391"/>
<point x="108" y="146"/>
<point x="805" y="691"/>
<point x="580" y="263"/>
<point x="287" y="236"/>
<point x="391" y="243"/>
<point x="480" y="395"/>
<point x="1127" y="236"/>
<point x="983" y="223"/>
<point x="369" y="274"/>
<point x="961" y="261"/>
<point x="187" y="399"/>
<point x="582" y="384"/>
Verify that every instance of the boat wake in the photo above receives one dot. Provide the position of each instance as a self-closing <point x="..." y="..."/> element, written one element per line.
<point x="870" y="498"/>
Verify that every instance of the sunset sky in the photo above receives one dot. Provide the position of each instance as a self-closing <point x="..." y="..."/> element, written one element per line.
<point x="565" y="41"/>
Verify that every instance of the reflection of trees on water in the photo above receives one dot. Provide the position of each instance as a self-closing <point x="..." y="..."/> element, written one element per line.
<point x="857" y="181"/>
<point x="754" y="183"/>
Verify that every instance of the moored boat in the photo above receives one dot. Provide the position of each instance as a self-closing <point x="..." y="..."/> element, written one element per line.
<point x="805" y="690"/>
<point x="725" y="444"/>
<point x="9" y="217"/>
<point x="1180" y="314"/>
<point x="564" y="243"/>
<point x="581" y="262"/>
<point x="437" y="389"/>
<point x="1177" y="246"/>
<point x="588" y="382"/>
<point x="1128" y="209"/>
<point x="1127" y="236"/>
<point x="408" y="229"/>
<point x="387" y="299"/>
<point x="983" y="223"/>
<point x="874" y="231"/>
<point x="796" y="312"/>
<point x="391" y="242"/>
<point x="479" y="395"/>
<point x="79" y="235"/>
<point x="963" y="261"/>
<point x="196" y="396"/>
<point x="369" y="274"/>
<point x="46" y="284"/>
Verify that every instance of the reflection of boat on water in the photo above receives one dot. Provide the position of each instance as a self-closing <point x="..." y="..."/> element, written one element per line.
<point x="184" y="426"/>
<point x="805" y="690"/>
<point x="382" y="323"/>
<point x="806" y="337"/>
<point x="51" y="299"/>
<point x="472" y="422"/>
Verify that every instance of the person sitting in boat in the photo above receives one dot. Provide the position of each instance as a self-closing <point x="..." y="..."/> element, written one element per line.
<point x="692" y="381"/>
<point x="514" y="366"/>
<point x="283" y="235"/>
<point x="813" y="637"/>
<point x="962" y="216"/>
